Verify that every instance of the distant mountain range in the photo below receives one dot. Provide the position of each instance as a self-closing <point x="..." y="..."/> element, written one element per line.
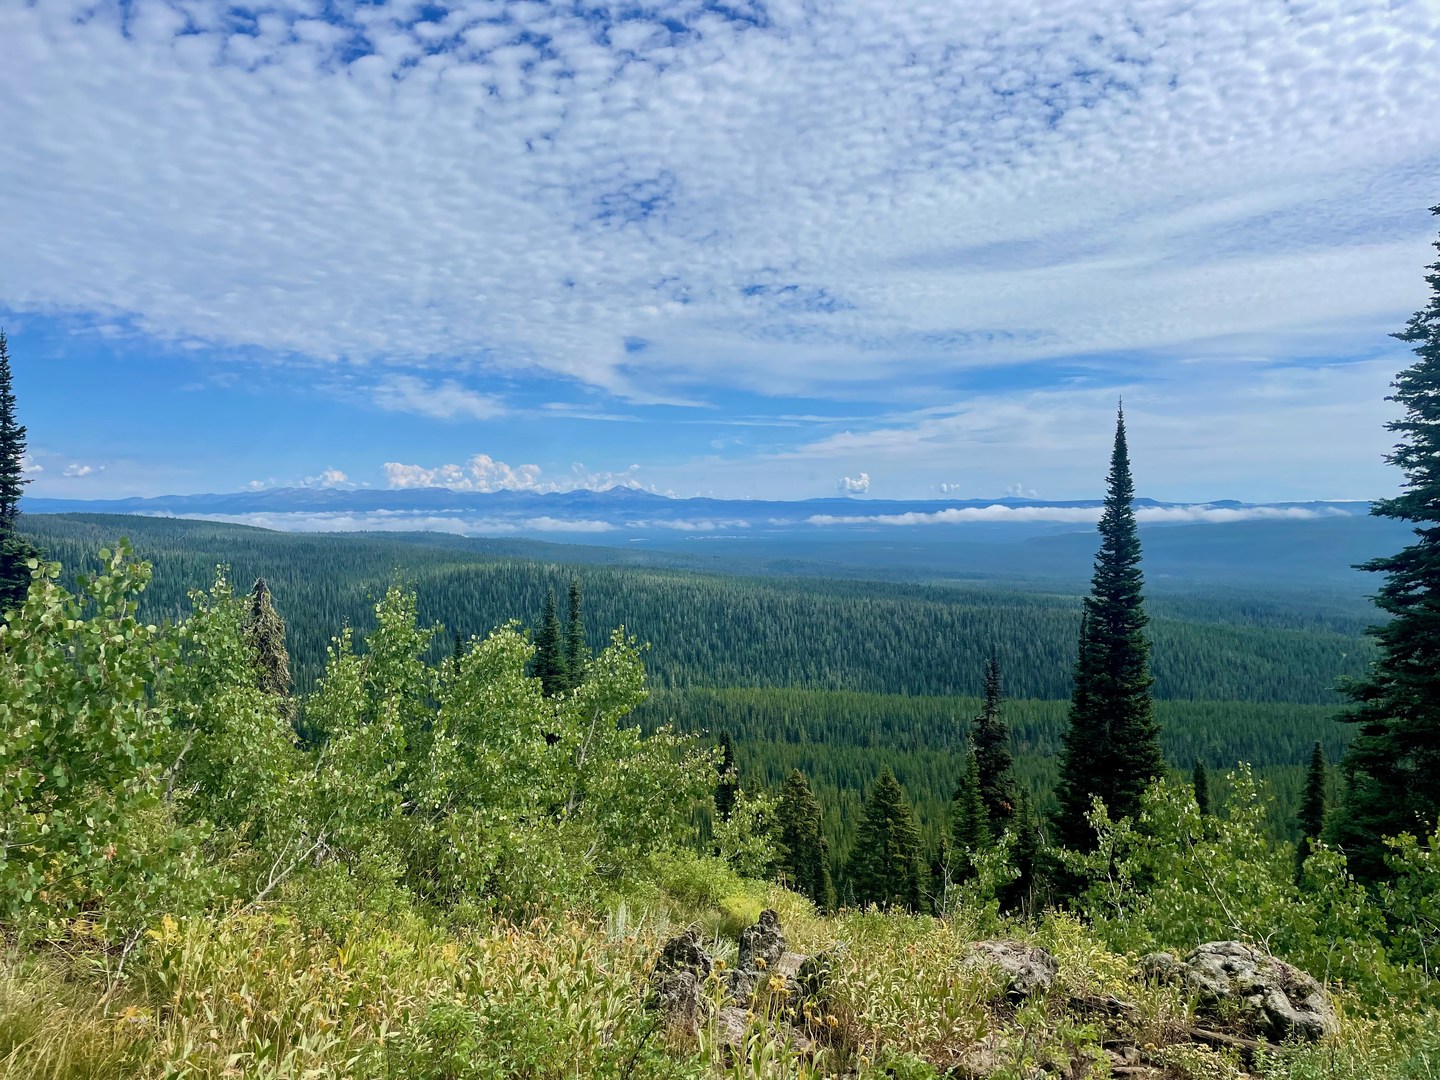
<point x="1268" y="544"/>
<point x="630" y="510"/>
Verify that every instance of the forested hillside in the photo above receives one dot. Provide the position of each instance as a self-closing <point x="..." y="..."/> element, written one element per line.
<point x="719" y="630"/>
<point x="840" y="678"/>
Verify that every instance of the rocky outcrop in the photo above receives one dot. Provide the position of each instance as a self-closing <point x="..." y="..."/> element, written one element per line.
<point x="1027" y="969"/>
<point x="679" y="979"/>
<point x="1238" y="984"/>
<point x="768" y="977"/>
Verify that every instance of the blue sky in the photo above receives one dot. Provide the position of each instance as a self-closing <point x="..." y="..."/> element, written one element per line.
<point x="776" y="249"/>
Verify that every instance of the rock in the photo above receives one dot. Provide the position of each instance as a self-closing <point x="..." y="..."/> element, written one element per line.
<point x="1263" y="995"/>
<point x="1028" y="969"/>
<point x="763" y="944"/>
<point x="812" y="977"/>
<point x="679" y="979"/>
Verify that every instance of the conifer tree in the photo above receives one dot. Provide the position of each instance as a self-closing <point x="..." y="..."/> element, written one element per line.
<point x="990" y="740"/>
<point x="1392" y="766"/>
<point x="577" y="653"/>
<point x="970" y="825"/>
<point x="1112" y="745"/>
<point x="1312" y="809"/>
<point x="15" y="551"/>
<point x="549" y="662"/>
<point x="806" y="860"/>
<point x="884" y="866"/>
<point x="727" y="786"/>
<point x="265" y="633"/>
<point x="1200" y="780"/>
<point x="1026" y="850"/>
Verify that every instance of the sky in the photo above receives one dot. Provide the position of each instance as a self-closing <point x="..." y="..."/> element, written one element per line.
<point x="791" y="249"/>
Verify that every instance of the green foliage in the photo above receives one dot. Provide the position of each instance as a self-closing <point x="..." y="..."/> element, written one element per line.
<point x="1311" y="818"/>
<point x="970" y="822"/>
<point x="884" y="867"/>
<point x="550" y="659"/>
<point x="1112" y="747"/>
<point x="805" y="854"/>
<point x="1200" y="784"/>
<point x="714" y="630"/>
<point x="748" y="840"/>
<point x="1393" y="765"/>
<point x="990" y="745"/>
<point x="1170" y="878"/>
<point x="82" y="746"/>
<point x="16" y="552"/>
<point x="727" y="782"/>
<point x="577" y="651"/>
<point x="265" y="633"/>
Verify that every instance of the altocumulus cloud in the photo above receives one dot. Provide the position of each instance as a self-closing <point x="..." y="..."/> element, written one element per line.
<point x="799" y="198"/>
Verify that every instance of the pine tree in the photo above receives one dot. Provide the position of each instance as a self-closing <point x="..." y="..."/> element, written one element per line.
<point x="577" y="652"/>
<point x="990" y="740"/>
<point x="550" y="649"/>
<point x="884" y="866"/>
<point x="1392" y="766"/>
<point x="1312" y="809"/>
<point x="15" y="551"/>
<point x="1112" y="744"/>
<point x="727" y="786"/>
<point x="806" y="860"/>
<point x="969" y="825"/>
<point x="1026" y="849"/>
<point x="265" y="633"/>
<point x="1200" y="780"/>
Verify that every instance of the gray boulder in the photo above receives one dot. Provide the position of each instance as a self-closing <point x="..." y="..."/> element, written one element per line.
<point x="679" y="979"/>
<point x="764" y="942"/>
<point x="1028" y="969"/>
<point x="1264" y="996"/>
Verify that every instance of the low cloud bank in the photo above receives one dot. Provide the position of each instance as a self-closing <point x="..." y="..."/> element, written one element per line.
<point x="1078" y="515"/>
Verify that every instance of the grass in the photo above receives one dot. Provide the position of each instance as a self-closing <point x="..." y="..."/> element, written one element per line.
<point x="271" y="995"/>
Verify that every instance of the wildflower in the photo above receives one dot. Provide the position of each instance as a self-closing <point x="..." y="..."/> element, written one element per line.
<point x="760" y="963"/>
<point x="777" y="984"/>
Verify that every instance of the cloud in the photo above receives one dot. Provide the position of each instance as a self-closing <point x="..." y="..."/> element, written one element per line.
<point x="328" y="478"/>
<point x="30" y="465"/>
<point x="402" y="521"/>
<point x="484" y="473"/>
<point x="446" y="400"/>
<point x="836" y="199"/>
<point x="1150" y="515"/>
<point x="854" y="485"/>
<point x="75" y="469"/>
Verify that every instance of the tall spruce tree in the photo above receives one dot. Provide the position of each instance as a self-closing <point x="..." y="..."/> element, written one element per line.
<point x="549" y="664"/>
<point x="969" y="822"/>
<point x="990" y="740"/>
<point x="265" y="633"/>
<point x="1026" y="847"/>
<point x="15" y="551"/>
<point x="806" y="860"/>
<point x="727" y="783"/>
<point x="884" y="866"/>
<point x="1112" y="743"/>
<point x="577" y="652"/>
<point x="1312" y="809"/>
<point x="1392" y="766"/>
<point x="1200" y="781"/>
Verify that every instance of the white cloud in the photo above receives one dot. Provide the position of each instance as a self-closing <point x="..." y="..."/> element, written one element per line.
<point x="445" y="400"/>
<point x="30" y="465"/>
<point x="76" y="469"/>
<point x="328" y="478"/>
<point x="854" y="485"/>
<point x="839" y="198"/>
<point x="484" y="473"/>
<point x="402" y="521"/>
<point x="1150" y="515"/>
